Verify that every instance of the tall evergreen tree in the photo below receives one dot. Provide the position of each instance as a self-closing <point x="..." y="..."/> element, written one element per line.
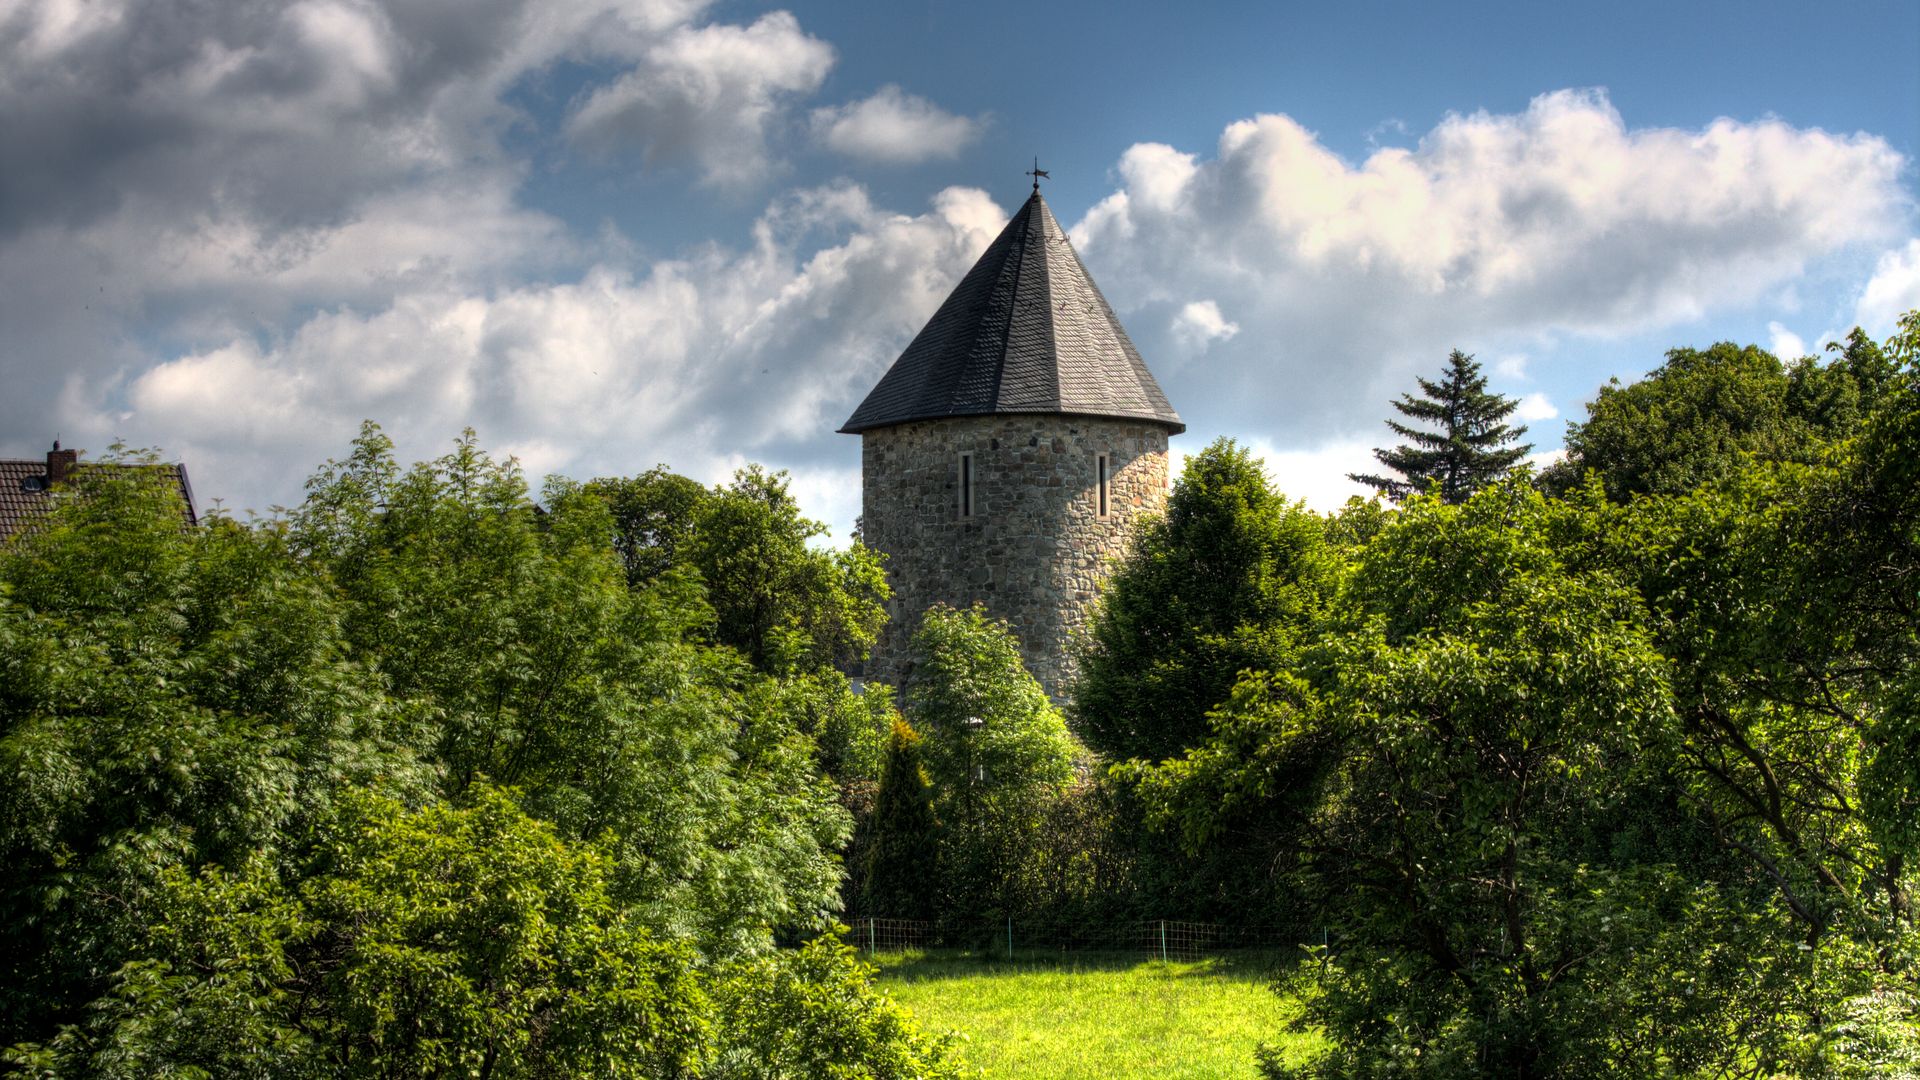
<point x="1469" y="451"/>
<point x="906" y="840"/>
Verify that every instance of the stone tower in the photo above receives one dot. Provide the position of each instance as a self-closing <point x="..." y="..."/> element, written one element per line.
<point x="1011" y="449"/>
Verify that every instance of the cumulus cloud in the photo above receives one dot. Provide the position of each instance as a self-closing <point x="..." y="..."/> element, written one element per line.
<point x="236" y="230"/>
<point x="1535" y="407"/>
<point x="702" y="362"/>
<point x="1496" y="229"/>
<point x="1199" y="324"/>
<point x="194" y="181"/>
<point x="1893" y="290"/>
<point x="1784" y="343"/>
<point x="287" y="111"/>
<point x="1511" y="365"/>
<point x="707" y="95"/>
<point x="895" y="128"/>
<point x="1317" y="476"/>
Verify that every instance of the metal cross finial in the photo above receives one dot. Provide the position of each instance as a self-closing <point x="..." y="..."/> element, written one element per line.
<point x="1038" y="175"/>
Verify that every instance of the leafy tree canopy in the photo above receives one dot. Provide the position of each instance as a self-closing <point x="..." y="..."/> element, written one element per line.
<point x="654" y="516"/>
<point x="779" y="602"/>
<point x="1585" y="785"/>
<point x="1218" y="586"/>
<point x="259" y="772"/>
<point x="1699" y="417"/>
<point x="995" y="748"/>
<point x="422" y="943"/>
<point x="782" y="603"/>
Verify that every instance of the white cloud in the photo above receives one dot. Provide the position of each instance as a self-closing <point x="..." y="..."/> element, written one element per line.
<point x="1512" y="366"/>
<point x="237" y="230"/>
<point x="194" y="182"/>
<point x="1318" y="476"/>
<point x="700" y="362"/>
<point x="1784" y="343"/>
<point x="1535" y="407"/>
<point x="709" y="95"/>
<point x="1540" y="460"/>
<point x="895" y="128"/>
<point x="1494" y="230"/>
<point x="1893" y="290"/>
<point x="1200" y="324"/>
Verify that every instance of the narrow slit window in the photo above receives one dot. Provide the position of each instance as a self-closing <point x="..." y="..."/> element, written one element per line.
<point x="966" y="485"/>
<point x="1101" y="469"/>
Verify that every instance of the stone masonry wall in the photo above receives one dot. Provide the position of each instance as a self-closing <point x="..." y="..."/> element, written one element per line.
<point x="1035" y="548"/>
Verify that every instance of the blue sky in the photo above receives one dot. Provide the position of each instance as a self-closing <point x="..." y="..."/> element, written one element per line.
<point x="611" y="233"/>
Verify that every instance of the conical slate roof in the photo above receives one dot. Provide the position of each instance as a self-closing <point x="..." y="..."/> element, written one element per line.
<point x="1026" y="331"/>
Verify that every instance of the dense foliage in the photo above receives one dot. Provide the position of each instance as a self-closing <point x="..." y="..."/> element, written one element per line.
<point x="1617" y="782"/>
<point x="422" y="780"/>
<point x="903" y="856"/>
<point x="996" y="750"/>
<point x="1699" y="417"/>
<point x="425" y="943"/>
<point x="1616" y="773"/>
<point x="1212" y="589"/>
<point x="782" y="604"/>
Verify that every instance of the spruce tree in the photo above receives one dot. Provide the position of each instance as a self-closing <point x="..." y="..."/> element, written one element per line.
<point x="900" y="876"/>
<point x="1469" y="451"/>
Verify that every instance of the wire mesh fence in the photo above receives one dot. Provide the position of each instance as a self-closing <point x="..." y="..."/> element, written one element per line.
<point x="1163" y="939"/>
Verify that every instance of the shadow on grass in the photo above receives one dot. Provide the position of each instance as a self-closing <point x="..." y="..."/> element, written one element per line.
<point x="924" y="965"/>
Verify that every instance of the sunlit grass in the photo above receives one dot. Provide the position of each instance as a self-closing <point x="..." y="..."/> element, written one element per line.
<point x="1092" y="1016"/>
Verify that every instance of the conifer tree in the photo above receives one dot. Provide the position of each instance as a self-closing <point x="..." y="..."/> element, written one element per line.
<point x="1469" y="451"/>
<point x="900" y="863"/>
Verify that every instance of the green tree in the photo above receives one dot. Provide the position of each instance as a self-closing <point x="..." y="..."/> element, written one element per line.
<point x="813" y="1012"/>
<point x="996" y="750"/>
<point x="781" y="603"/>
<point x="1217" y="586"/>
<point x="904" y="849"/>
<point x="1481" y="696"/>
<point x="169" y="697"/>
<point x="1704" y="414"/>
<point x="1469" y="448"/>
<point x="256" y="823"/>
<point x="654" y="516"/>
<point x="545" y="671"/>
<point x="850" y="729"/>
<point x="425" y="942"/>
<point x="1784" y="587"/>
<point x="1477" y="770"/>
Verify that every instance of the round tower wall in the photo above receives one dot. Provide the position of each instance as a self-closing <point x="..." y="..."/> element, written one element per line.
<point x="1029" y="541"/>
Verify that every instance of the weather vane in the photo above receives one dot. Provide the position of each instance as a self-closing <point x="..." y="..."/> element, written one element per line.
<point x="1038" y="175"/>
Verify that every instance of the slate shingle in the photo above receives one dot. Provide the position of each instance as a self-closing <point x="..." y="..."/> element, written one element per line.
<point x="1025" y="331"/>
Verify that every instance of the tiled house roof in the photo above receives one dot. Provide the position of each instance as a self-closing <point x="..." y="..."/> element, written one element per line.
<point x="27" y="487"/>
<point x="1026" y="331"/>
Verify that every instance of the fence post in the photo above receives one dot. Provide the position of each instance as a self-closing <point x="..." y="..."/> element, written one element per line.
<point x="1009" y="937"/>
<point x="871" y="952"/>
<point x="1163" y="941"/>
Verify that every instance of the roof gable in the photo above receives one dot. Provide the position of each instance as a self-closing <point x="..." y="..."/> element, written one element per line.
<point x="1025" y="331"/>
<point x="27" y="490"/>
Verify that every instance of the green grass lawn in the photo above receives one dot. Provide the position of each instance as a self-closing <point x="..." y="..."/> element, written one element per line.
<point x="1082" y="1015"/>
